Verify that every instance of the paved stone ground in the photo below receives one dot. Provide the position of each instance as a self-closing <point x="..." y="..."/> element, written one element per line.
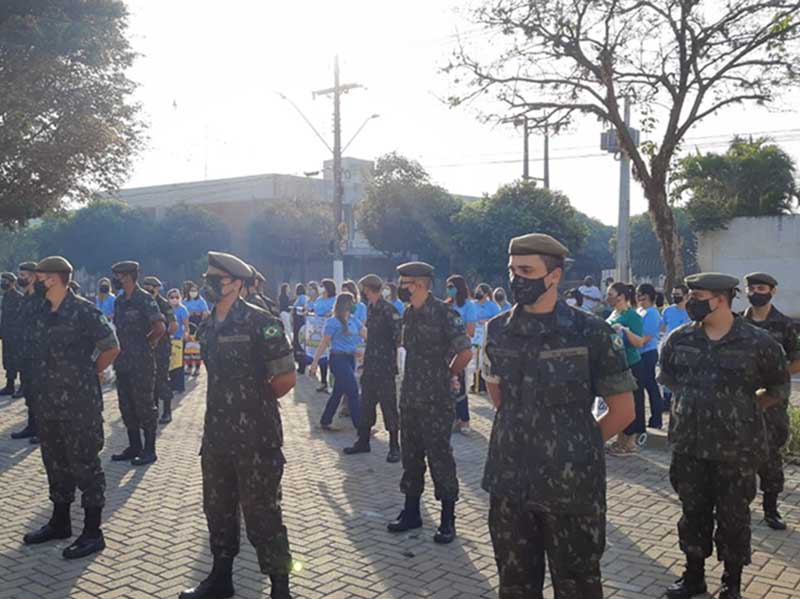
<point x="336" y="508"/>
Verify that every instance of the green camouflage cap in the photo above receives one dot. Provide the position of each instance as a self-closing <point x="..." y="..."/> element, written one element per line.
<point x="760" y="278"/>
<point x="371" y="281"/>
<point x="537" y="244"/>
<point x="27" y="267"/>
<point x="54" y="264"/>
<point x="235" y="267"/>
<point x="125" y="267"/>
<point x="415" y="269"/>
<point x="712" y="281"/>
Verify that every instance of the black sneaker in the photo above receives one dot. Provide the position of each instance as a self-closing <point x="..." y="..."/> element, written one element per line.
<point x="85" y="545"/>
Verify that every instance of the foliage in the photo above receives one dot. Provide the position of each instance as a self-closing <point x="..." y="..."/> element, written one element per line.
<point x="752" y="178"/>
<point x="67" y="123"/>
<point x="646" y="259"/>
<point x="404" y="213"/>
<point x="16" y="247"/>
<point x="678" y="62"/>
<point x="596" y="254"/>
<point x="483" y="228"/>
<point x="187" y="233"/>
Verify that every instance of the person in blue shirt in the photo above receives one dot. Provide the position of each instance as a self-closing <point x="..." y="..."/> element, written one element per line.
<point x="298" y="320"/>
<point x="458" y="297"/>
<point x="361" y="309"/>
<point x="105" y="299"/>
<point x="343" y="334"/>
<point x="674" y="316"/>
<point x="646" y="297"/>
<point x="198" y="312"/>
<point x="177" y="376"/>
<point x="323" y="307"/>
<point x="390" y="295"/>
<point x="500" y="298"/>
<point x="484" y="304"/>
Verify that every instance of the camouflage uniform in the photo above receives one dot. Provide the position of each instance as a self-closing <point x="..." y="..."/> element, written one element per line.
<point x="384" y="325"/>
<point x="70" y="402"/>
<point x="242" y="460"/>
<point x="546" y="467"/>
<point x="24" y="332"/>
<point x="431" y="335"/>
<point x="162" y="389"/>
<point x="135" y="366"/>
<point x="784" y="331"/>
<point x="717" y="431"/>
<point x="12" y="301"/>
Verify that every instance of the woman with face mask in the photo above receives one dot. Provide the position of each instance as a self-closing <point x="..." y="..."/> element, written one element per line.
<point x="458" y="297"/>
<point x="361" y="308"/>
<point x="105" y="299"/>
<point x="177" y="377"/>
<point x="198" y="312"/>
<point x="323" y="308"/>
<point x="500" y="298"/>
<point x="628" y="324"/>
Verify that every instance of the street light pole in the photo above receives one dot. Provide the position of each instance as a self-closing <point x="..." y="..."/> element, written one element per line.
<point x="623" y="222"/>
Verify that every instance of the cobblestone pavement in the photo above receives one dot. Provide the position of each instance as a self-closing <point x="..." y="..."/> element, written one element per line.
<point x="336" y="508"/>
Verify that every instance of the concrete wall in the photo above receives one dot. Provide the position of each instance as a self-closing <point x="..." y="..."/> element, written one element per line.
<point x="765" y="244"/>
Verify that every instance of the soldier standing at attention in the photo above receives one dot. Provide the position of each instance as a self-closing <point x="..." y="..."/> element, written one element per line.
<point x="723" y="373"/>
<point x="162" y="391"/>
<point x="384" y="327"/>
<point x="22" y="334"/>
<point x="761" y="288"/>
<point x="12" y="300"/>
<point x="70" y="332"/>
<point x="544" y="363"/>
<point x="250" y="367"/>
<point x="140" y="325"/>
<point x="252" y="292"/>
<point x="432" y="332"/>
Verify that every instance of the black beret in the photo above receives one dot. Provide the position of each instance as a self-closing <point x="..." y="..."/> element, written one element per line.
<point x="9" y="276"/>
<point x="152" y="281"/>
<point x="537" y="244"/>
<point x="54" y="264"/>
<point x="27" y="266"/>
<point x="124" y="267"/>
<point x="712" y="281"/>
<point x="235" y="267"/>
<point x="760" y="278"/>
<point x="415" y="269"/>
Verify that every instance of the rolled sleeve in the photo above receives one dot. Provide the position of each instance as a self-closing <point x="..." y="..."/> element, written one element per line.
<point x="456" y="332"/>
<point x="486" y="364"/>
<point x="664" y="370"/>
<point x="277" y="354"/>
<point x="775" y="372"/>
<point x="609" y="368"/>
<point x="99" y="329"/>
<point x="152" y="311"/>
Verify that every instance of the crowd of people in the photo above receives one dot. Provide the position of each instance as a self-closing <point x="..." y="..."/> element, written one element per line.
<point x="545" y="361"/>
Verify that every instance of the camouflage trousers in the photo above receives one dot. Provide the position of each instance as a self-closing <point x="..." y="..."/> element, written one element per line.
<point x="162" y="391"/>
<point x="709" y="491"/>
<point x="250" y="483"/>
<point x="523" y="536"/>
<point x="135" y="393"/>
<point x="70" y="452"/>
<point x="379" y="388"/>
<point x="425" y="432"/>
<point x="770" y="472"/>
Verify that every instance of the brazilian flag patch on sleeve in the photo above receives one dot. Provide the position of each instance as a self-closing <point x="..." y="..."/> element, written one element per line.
<point x="459" y="322"/>
<point x="271" y="331"/>
<point x="616" y="342"/>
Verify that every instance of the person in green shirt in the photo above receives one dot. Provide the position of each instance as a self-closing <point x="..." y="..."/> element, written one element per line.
<point x="628" y="324"/>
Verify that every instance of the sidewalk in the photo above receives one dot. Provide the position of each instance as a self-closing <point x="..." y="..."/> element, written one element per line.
<point x="336" y="508"/>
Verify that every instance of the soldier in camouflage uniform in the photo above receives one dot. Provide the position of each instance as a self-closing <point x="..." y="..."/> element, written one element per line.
<point x="432" y="333"/>
<point x="761" y="288"/>
<point x="140" y="325"/>
<point x="723" y="373"/>
<point x="384" y="329"/>
<point x="22" y="330"/>
<point x="250" y="366"/>
<point x="12" y="300"/>
<point x="73" y="343"/>
<point x="162" y="391"/>
<point x="253" y="293"/>
<point x="544" y="364"/>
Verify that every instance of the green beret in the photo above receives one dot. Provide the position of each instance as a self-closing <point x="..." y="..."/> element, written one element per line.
<point x="415" y="269"/>
<point x="27" y="266"/>
<point x="232" y="265"/>
<point x="152" y="281"/>
<point x="712" y="281"/>
<point x="125" y="267"/>
<point x="9" y="276"/>
<point x="54" y="264"/>
<point x="760" y="278"/>
<point x="371" y="281"/>
<point x="537" y="243"/>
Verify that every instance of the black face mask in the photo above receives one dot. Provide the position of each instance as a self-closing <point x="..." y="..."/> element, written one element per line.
<point x="677" y="299"/>
<point x="759" y="299"/>
<point x="500" y="299"/>
<point x="104" y="288"/>
<point x="5" y="286"/>
<point x="479" y="296"/>
<point x="527" y="291"/>
<point x="213" y="289"/>
<point x="23" y="282"/>
<point x="404" y="294"/>
<point x="39" y="288"/>
<point x="698" y="309"/>
<point x="116" y="283"/>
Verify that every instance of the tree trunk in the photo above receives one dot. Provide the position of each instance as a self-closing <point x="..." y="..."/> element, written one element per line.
<point x="663" y="222"/>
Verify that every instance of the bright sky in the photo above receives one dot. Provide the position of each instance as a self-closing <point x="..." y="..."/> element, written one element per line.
<point x="209" y="73"/>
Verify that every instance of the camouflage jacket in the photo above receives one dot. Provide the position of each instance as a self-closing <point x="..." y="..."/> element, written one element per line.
<point x="242" y="353"/>
<point x="263" y="302"/>
<point x="67" y="340"/>
<point x="715" y="415"/>
<point x="165" y="343"/>
<point x="431" y="335"/>
<point x="12" y="300"/>
<point x="546" y="446"/>
<point x="384" y="331"/>
<point x="134" y="317"/>
<point x="25" y="325"/>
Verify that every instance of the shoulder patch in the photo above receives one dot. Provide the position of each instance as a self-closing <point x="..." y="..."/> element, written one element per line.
<point x="271" y="331"/>
<point x="617" y="342"/>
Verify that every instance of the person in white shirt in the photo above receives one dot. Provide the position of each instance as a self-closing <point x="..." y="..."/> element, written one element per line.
<point x="592" y="298"/>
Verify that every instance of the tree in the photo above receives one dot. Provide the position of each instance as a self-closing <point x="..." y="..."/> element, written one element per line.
<point x="484" y="228"/>
<point x="752" y="178"/>
<point x="186" y="234"/>
<point x="646" y="259"/>
<point x="596" y="254"/>
<point x="67" y="123"/>
<point x="564" y="58"/>
<point x="404" y="213"/>
<point x="16" y="247"/>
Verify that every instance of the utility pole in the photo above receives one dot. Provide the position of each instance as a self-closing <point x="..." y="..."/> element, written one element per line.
<point x="340" y="235"/>
<point x="623" y="223"/>
<point x="525" y="156"/>
<point x="546" y="156"/>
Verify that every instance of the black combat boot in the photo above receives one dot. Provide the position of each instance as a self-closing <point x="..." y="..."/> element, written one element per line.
<point x="148" y="454"/>
<point x="394" y="448"/>
<point x="91" y="539"/>
<point x="166" y="415"/>
<point x="447" y="527"/>
<point x="771" y="515"/>
<point x="409" y="518"/>
<point x="362" y="443"/>
<point x="280" y="586"/>
<point x="731" y="582"/>
<point x="59" y="527"/>
<point x="29" y="430"/>
<point x="8" y="389"/>
<point x="218" y="585"/>
<point x="693" y="581"/>
<point x="134" y="447"/>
